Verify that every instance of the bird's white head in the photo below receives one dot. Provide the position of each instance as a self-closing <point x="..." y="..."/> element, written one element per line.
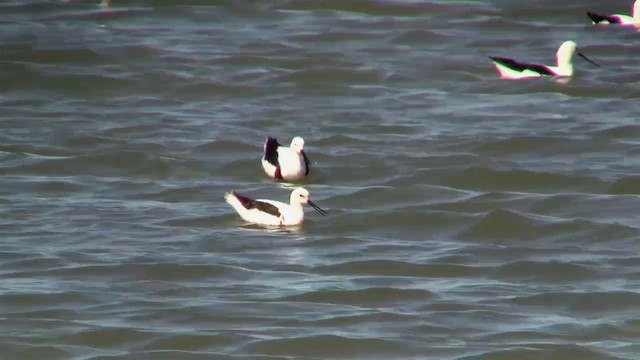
<point x="301" y="196"/>
<point x="297" y="144"/>
<point x="565" y="53"/>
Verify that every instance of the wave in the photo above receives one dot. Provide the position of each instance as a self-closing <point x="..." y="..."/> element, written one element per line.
<point x="490" y="179"/>
<point x="378" y="295"/>
<point x="147" y="271"/>
<point x="617" y="132"/>
<point x="542" y="351"/>
<point x="592" y="303"/>
<point x="108" y="337"/>
<point x="507" y="224"/>
<point x="628" y="185"/>
<point x="31" y="350"/>
<point x="389" y="8"/>
<point x="401" y="268"/>
<point x="333" y="346"/>
<point x="546" y="271"/>
<point x="111" y="163"/>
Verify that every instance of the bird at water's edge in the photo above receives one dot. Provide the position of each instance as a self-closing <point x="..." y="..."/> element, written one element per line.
<point x="285" y="163"/>
<point x="270" y="212"/>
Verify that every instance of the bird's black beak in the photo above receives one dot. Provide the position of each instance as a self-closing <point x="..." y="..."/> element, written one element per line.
<point x="324" y="213"/>
<point x="586" y="58"/>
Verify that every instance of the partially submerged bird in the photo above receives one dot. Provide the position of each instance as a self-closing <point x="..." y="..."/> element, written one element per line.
<point x="285" y="163"/>
<point x="620" y="19"/>
<point x="270" y="212"/>
<point x="512" y="69"/>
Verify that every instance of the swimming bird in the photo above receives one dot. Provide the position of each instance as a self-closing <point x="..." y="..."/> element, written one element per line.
<point x="618" y="18"/>
<point x="512" y="69"/>
<point x="270" y="212"/>
<point x="285" y="163"/>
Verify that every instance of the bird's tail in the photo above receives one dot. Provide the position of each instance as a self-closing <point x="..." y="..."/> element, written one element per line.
<point x="271" y="150"/>
<point x="233" y="200"/>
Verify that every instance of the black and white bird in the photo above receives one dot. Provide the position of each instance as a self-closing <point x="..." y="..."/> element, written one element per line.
<point x="620" y="19"/>
<point x="285" y="163"/>
<point x="513" y="69"/>
<point x="270" y="212"/>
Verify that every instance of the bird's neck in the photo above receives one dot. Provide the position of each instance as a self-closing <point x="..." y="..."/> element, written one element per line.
<point x="295" y="204"/>
<point x="296" y="211"/>
<point x="565" y="64"/>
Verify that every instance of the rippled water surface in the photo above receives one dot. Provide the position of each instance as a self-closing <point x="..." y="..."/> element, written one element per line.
<point x="470" y="217"/>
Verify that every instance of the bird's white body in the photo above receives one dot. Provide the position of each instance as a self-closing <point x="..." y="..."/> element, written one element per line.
<point x="512" y="74"/>
<point x="618" y="19"/>
<point x="285" y="162"/>
<point x="512" y="69"/>
<point x="255" y="211"/>
<point x="291" y="214"/>
<point x="292" y="166"/>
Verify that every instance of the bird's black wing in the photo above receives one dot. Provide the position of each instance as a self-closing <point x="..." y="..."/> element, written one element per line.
<point x="522" y="66"/>
<point x="249" y="203"/>
<point x="271" y="151"/>
<point x="597" y="18"/>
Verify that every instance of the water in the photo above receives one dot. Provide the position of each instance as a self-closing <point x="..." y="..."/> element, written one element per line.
<point x="470" y="217"/>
